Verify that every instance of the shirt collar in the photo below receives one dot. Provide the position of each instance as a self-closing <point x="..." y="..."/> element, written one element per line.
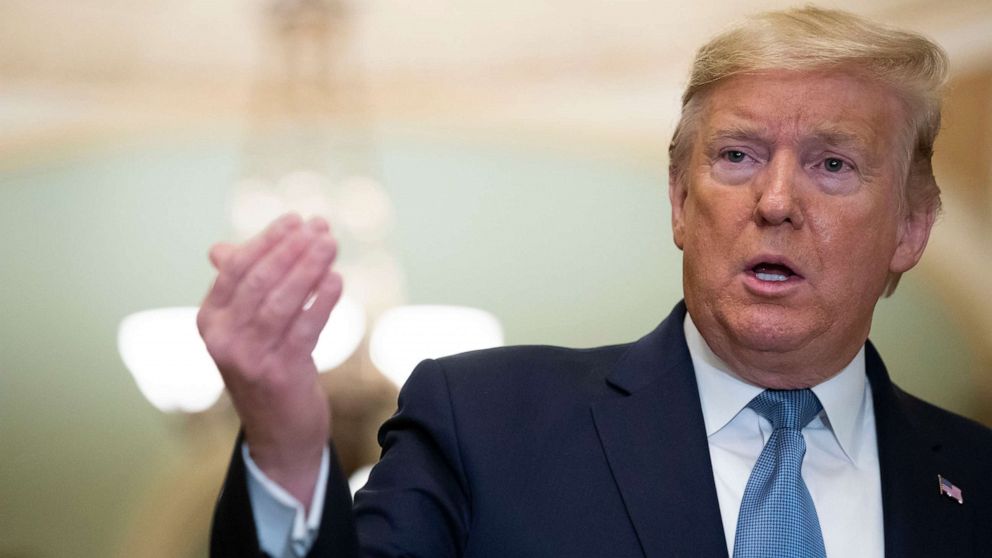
<point x="723" y="394"/>
<point x="843" y="398"/>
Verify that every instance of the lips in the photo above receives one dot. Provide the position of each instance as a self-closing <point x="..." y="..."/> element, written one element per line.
<point x="773" y="269"/>
<point x="772" y="272"/>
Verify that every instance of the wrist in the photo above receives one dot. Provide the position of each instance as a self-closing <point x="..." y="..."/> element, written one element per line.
<point x="295" y="484"/>
<point x="286" y="437"/>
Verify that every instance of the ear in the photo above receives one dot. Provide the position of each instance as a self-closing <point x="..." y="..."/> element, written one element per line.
<point x="677" y="193"/>
<point x="914" y="233"/>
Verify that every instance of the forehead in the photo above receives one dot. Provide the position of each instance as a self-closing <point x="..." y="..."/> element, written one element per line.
<point x="782" y="106"/>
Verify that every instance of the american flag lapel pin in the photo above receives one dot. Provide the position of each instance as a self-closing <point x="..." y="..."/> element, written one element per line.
<point x="948" y="488"/>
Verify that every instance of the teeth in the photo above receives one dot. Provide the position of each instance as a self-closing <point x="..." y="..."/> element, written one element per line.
<point x="770" y="276"/>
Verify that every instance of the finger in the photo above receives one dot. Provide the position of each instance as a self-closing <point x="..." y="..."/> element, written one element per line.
<point x="303" y="333"/>
<point x="220" y="253"/>
<point x="271" y="270"/>
<point x="286" y="299"/>
<point x="233" y="265"/>
<point x="243" y="259"/>
<point x="319" y="224"/>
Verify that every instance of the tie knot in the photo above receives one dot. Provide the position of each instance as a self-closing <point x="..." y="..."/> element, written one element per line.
<point x="791" y="408"/>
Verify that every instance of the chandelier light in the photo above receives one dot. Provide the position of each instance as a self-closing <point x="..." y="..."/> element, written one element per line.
<point x="170" y="364"/>
<point x="406" y="335"/>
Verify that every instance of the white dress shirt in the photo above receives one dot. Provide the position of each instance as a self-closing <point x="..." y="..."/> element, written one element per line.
<point x="841" y="464"/>
<point x="840" y="468"/>
<point x="284" y="529"/>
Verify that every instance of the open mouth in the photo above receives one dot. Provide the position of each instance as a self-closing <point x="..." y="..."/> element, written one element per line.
<point x="773" y="272"/>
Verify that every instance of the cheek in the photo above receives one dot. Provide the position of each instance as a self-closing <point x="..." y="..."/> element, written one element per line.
<point x="722" y="213"/>
<point x="854" y="247"/>
<point x="714" y="225"/>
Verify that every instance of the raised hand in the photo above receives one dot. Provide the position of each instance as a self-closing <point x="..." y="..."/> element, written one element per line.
<point x="260" y="322"/>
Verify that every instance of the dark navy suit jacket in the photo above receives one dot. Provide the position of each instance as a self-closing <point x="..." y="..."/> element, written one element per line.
<point x="545" y="451"/>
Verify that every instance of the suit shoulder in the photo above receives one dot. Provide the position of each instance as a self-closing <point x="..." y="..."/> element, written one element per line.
<point x="548" y="355"/>
<point x="949" y="426"/>
<point x="532" y="366"/>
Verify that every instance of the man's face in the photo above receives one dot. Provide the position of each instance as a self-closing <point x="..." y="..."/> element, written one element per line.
<point x="789" y="216"/>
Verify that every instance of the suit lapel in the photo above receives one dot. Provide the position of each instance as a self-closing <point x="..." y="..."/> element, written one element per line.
<point x="655" y="442"/>
<point x="919" y="521"/>
<point x="654" y="439"/>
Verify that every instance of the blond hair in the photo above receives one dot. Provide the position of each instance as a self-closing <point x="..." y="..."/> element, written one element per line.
<point x="814" y="39"/>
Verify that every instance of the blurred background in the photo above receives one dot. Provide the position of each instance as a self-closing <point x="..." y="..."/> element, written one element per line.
<point x="504" y="156"/>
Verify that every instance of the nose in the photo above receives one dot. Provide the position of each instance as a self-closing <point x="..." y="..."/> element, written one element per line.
<point x="777" y="191"/>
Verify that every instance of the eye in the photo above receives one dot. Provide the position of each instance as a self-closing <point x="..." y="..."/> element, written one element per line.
<point x="833" y="164"/>
<point x="734" y="156"/>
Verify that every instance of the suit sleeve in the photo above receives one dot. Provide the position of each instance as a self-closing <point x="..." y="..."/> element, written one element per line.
<point x="234" y="533"/>
<point x="415" y="504"/>
<point x="417" y="500"/>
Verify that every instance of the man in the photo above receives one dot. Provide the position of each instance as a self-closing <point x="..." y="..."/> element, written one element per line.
<point x="756" y="420"/>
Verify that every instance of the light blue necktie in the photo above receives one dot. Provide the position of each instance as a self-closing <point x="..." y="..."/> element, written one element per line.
<point x="777" y="517"/>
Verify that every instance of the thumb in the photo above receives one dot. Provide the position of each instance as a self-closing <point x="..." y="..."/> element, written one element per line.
<point x="220" y="253"/>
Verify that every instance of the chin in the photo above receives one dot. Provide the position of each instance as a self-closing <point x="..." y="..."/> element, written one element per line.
<point x="770" y="328"/>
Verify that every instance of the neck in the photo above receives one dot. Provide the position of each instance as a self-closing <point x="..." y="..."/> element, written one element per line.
<point x="800" y="368"/>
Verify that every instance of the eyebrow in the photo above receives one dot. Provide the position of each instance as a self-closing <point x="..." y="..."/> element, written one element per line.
<point x="840" y="138"/>
<point x="827" y="135"/>
<point x="735" y="133"/>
